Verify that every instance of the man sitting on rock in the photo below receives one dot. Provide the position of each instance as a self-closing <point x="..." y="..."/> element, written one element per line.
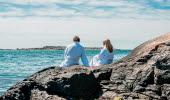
<point x="73" y="53"/>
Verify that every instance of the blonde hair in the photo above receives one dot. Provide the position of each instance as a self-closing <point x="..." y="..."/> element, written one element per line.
<point x="108" y="45"/>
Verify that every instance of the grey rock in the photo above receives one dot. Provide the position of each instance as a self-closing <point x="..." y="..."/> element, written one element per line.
<point x="75" y="82"/>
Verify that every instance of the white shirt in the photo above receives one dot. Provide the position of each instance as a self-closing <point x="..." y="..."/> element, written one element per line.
<point x="105" y="57"/>
<point x="73" y="53"/>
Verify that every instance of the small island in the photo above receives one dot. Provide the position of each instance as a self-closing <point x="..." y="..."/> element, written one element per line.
<point x="57" y="48"/>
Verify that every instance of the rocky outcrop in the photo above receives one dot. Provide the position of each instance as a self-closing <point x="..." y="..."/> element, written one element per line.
<point x="54" y="83"/>
<point x="142" y="75"/>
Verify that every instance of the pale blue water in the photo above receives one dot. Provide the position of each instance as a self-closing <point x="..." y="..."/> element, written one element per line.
<point x="16" y="65"/>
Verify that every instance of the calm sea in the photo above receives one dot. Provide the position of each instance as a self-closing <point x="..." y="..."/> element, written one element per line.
<point x="16" y="65"/>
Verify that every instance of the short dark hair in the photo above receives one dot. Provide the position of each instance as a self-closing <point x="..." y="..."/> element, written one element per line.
<point x="76" y="39"/>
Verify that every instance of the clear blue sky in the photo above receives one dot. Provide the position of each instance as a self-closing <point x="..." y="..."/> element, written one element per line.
<point x="36" y="23"/>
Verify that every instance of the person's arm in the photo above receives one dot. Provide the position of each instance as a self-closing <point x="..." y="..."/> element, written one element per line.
<point x="84" y="58"/>
<point x="65" y="53"/>
<point x="102" y="54"/>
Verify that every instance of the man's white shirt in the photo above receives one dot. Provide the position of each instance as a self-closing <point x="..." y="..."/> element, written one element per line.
<point x="73" y="53"/>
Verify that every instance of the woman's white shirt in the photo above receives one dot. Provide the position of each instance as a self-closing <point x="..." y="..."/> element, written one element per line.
<point x="103" y="58"/>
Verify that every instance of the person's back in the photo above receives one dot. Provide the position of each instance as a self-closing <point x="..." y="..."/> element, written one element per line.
<point x="73" y="53"/>
<point x="106" y="55"/>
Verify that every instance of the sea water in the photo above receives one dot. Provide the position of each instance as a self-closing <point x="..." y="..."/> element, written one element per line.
<point x="16" y="65"/>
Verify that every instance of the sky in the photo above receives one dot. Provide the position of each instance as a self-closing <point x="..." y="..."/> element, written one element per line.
<point x="37" y="23"/>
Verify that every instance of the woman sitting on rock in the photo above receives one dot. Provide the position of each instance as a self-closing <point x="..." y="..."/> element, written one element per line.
<point x="106" y="55"/>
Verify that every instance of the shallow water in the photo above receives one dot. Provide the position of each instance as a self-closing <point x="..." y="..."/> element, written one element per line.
<point x="16" y="65"/>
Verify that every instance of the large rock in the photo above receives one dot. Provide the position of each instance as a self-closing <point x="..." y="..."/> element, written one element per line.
<point x="146" y="69"/>
<point x="75" y="82"/>
<point x="142" y="75"/>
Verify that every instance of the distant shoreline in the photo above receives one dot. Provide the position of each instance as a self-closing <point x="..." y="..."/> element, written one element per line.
<point x="55" y="48"/>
